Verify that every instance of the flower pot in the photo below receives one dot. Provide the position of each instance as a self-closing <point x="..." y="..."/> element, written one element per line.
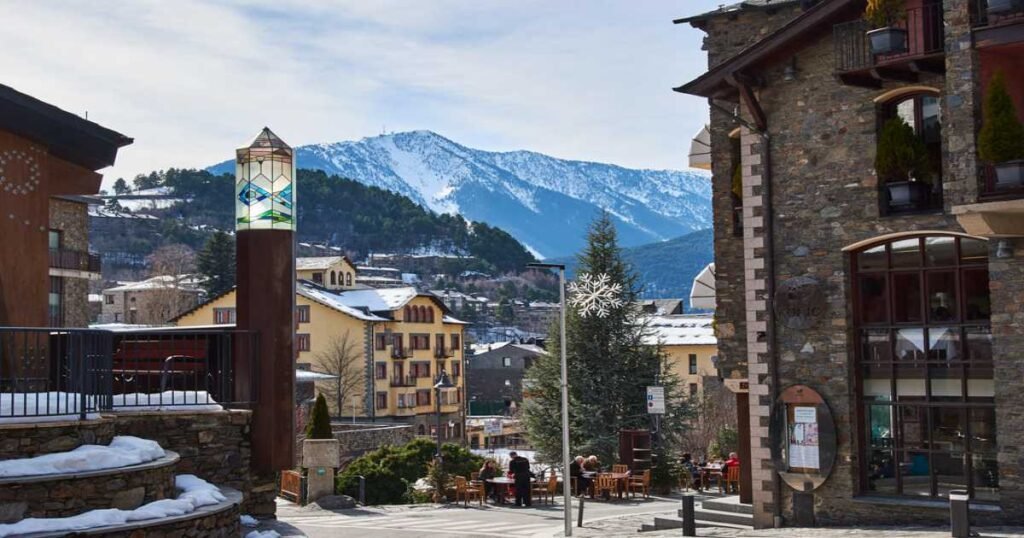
<point x="1009" y="175"/>
<point x="320" y="453"/>
<point x="907" y="194"/>
<point x="888" y="40"/>
<point x="1001" y="7"/>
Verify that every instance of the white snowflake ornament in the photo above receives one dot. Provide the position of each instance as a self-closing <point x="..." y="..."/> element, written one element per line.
<point x="594" y="295"/>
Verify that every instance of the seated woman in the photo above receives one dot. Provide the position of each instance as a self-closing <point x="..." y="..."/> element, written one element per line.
<point x="576" y="469"/>
<point x="692" y="469"/>
<point x="592" y="465"/>
<point x="488" y="471"/>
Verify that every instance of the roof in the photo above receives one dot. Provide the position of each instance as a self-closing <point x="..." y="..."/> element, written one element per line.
<point x="162" y="282"/>
<point x="812" y="23"/>
<point x="308" y="376"/>
<point x="66" y="135"/>
<point x="681" y="330"/>
<point x="732" y="9"/>
<point x="339" y="301"/>
<point x="480" y="349"/>
<point x="661" y="307"/>
<point x="313" y="263"/>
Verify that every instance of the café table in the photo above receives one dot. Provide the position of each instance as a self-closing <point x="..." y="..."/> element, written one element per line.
<point x="709" y="471"/>
<point x="502" y="485"/>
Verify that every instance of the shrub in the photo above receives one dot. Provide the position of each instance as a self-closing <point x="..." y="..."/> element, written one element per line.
<point x="1002" y="135"/>
<point x="319" y="426"/>
<point x="882" y="13"/>
<point x="900" y="153"/>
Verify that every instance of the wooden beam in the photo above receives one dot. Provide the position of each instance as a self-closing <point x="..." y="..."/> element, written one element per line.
<point x="864" y="81"/>
<point x="925" y="66"/>
<point x="1005" y="34"/>
<point x="749" y="100"/>
<point x="885" y="73"/>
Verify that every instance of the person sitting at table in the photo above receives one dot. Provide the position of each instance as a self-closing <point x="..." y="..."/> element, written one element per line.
<point x="487" y="472"/>
<point x="592" y="465"/>
<point x="576" y="469"/>
<point x="690" y="467"/>
<point x="734" y="459"/>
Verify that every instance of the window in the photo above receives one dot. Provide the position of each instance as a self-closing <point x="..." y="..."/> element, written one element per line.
<point x="380" y="341"/>
<point x="334" y="279"/>
<point x="222" y="316"/>
<point x="924" y="357"/>
<point x="54" y="238"/>
<point x="423" y="397"/>
<point x="382" y="400"/>
<point x="302" y="341"/>
<point x="736" y="185"/>
<point x="693" y="364"/>
<point x="922" y="113"/>
<point x="456" y="342"/>
<point x="348" y="279"/>
<point x="456" y="368"/>
<point x="56" y="306"/>
<point x="302" y="313"/>
<point x="318" y="277"/>
<point x="506" y="362"/>
<point x="108" y="299"/>
<point x="430" y="314"/>
<point x="396" y="343"/>
<point x="419" y="369"/>
<point x="380" y="370"/>
<point x="419" y="341"/>
<point x="693" y="389"/>
<point x="439" y="342"/>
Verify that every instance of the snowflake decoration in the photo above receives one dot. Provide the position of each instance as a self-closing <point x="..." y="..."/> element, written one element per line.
<point x="595" y="295"/>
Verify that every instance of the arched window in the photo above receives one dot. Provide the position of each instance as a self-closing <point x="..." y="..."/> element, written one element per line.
<point x="430" y="314"/>
<point x="348" y="279"/>
<point x="333" y="279"/>
<point x="921" y="188"/>
<point x="407" y="314"/>
<point x="420" y="430"/>
<point x="924" y="363"/>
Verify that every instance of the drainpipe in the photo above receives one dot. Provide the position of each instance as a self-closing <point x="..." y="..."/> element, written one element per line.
<point x="769" y="263"/>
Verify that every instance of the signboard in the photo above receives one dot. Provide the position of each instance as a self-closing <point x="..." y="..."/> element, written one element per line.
<point x="804" y="439"/>
<point x="492" y="427"/>
<point x="656" y="400"/>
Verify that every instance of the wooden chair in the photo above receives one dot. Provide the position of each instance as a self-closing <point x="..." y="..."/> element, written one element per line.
<point x="686" y="481"/>
<point x="605" y="485"/>
<point x="620" y="468"/>
<point x="539" y="490"/>
<point x="552" y="487"/>
<point x="640" y="484"/>
<point x="732" y="479"/>
<point x="474" y="476"/>
<point x="466" y="492"/>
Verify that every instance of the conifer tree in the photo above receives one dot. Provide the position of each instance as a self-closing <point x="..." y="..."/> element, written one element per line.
<point x="319" y="426"/>
<point x="611" y="360"/>
<point x="217" y="263"/>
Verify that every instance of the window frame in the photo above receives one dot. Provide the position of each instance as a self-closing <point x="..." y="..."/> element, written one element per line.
<point x="888" y="109"/>
<point x="302" y="313"/>
<point x="302" y="342"/>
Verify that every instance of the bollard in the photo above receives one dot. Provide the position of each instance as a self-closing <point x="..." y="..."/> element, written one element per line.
<point x="362" y="490"/>
<point x="579" y="521"/>
<point x="959" y="520"/>
<point x="689" y="525"/>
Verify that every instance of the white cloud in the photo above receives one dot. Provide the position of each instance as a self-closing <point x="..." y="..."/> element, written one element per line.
<point x="190" y="80"/>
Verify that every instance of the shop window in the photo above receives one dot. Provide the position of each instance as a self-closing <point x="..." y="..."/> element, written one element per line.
<point x="924" y="357"/>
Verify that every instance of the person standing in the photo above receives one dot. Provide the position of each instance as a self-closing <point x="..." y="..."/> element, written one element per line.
<point x="519" y="468"/>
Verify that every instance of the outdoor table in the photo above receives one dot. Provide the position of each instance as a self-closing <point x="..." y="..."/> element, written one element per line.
<point x="503" y="484"/>
<point x="707" y="471"/>
<point x="620" y="482"/>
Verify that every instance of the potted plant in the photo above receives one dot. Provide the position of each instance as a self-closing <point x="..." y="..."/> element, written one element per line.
<point x="901" y="162"/>
<point x="1002" y="7"/>
<point x="883" y="15"/>
<point x="1001" y="140"/>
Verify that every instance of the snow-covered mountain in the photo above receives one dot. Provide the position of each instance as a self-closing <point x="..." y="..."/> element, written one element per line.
<point x="546" y="203"/>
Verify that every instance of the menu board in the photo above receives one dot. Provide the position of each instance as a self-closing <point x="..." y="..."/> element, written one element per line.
<point x="804" y="441"/>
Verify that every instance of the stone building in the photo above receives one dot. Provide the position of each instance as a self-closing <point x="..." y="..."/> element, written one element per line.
<point x="494" y="377"/>
<point x="898" y="300"/>
<point x="153" y="301"/>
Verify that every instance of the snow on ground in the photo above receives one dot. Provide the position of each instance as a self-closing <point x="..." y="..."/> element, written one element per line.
<point x="182" y="400"/>
<point x="263" y="534"/>
<point x="249" y="521"/>
<point x="123" y="450"/>
<point x="196" y="492"/>
<point x="27" y="406"/>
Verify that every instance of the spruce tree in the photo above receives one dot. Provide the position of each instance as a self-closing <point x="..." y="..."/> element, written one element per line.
<point x="217" y="263"/>
<point x="611" y="360"/>
<point x="319" y="426"/>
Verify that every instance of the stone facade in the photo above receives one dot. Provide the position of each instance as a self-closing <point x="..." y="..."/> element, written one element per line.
<point x="72" y="220"/>
<point x="486" y="375"/>
<point x="31" y="440"/>
<point x="823" y="197"/>
<point x="356" y="440"/>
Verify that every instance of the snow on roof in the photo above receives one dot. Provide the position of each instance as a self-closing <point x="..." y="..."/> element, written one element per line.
<point x="182" y="282"/>
<point x="379" y="300"/>
<point x="95" y="297"/>
<point x="313" y="263"/>
<point x="341" y="301"/>
<point x="454" y="321"/>
<point x="378" y="279"/>
<point x="308" y="375"/>
<point x="372" y="268"/>
<point x="681" y="330"/>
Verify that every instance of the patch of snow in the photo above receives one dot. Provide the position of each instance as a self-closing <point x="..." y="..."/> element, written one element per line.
<point x="169" y="400"/>
<point x="263" y="534"/>
<point x="123" y="451"/>
<point x="21" y="407"/>
<point x="195" y="493"/>
<point x="249" y="521"/>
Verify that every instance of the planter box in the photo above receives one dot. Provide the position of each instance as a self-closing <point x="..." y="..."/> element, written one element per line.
<point x="320" y="453"/>
<point x="1001" y="7"/>
<point x="1009" y="175"/>
<point x="888" y="40"/>
<point x="907" y="194"/>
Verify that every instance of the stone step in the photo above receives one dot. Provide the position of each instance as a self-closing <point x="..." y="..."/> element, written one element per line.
<point x="727" y="504"/>
<point x="731" y="518"/>
<point x="668" y="523"/>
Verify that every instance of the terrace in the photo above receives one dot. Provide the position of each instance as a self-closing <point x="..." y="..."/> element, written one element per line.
<point x="922" y="52"/>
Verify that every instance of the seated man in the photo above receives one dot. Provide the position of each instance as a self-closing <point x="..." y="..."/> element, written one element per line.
<point x="576" y="473"/>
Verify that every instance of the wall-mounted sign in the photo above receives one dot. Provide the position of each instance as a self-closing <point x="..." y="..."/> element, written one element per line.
<point x="803" y="437"/>
<point x="656" y="400"/>
<point x="799" y="302"/>
<point x="492" y="427"/>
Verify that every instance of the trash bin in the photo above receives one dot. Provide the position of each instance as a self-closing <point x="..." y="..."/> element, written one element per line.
<point x="959" y="519"/>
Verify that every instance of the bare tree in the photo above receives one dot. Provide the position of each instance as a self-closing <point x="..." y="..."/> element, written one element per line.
<point x="168" y="296"/>
<point x="343" y="358"/>
<point x="714" y="410"/>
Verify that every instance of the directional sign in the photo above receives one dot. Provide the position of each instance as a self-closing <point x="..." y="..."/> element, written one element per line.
<point x="656" y="400"/>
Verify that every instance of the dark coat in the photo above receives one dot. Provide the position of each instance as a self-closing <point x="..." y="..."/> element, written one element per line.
<point x="520" y="468"/>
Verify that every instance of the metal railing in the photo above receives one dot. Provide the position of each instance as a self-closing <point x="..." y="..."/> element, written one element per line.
<point x="981" y="17"/>
<point x="59" y="372"/>
<point x="400" y="353"/>
<point x="924" y="37"/>
<point x="77" y="260"/>
<point x="403" y="381"/>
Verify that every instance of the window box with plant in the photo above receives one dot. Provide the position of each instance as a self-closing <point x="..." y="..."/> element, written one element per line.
<point x="1001" y="140"/>
<point x="902" y="164"/>
<point x="883" y="16"/>
<point x="1002" y="7"/>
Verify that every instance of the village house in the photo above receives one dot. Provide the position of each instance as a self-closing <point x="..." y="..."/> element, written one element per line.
<point x="870" y="305"/>
<point x="689" y="345"/>
<point x="153" y="301"/>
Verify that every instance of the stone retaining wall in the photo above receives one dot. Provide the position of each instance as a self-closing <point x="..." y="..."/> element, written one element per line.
<point x="30" y="440"/>
<point x="358" y="439"/>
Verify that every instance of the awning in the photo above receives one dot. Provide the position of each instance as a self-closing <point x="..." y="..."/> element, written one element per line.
<point x="700" y="150"/>
<point x="702" y="293"/>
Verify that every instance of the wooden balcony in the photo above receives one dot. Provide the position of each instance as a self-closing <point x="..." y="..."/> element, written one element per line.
<point x="75" y="260"/>
<point x="924" y="52"/>
<point x="997" y="28"/>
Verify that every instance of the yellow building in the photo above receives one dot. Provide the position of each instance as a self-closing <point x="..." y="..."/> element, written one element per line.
<point x="689" y="342"/>
<point x="386" y="345"/>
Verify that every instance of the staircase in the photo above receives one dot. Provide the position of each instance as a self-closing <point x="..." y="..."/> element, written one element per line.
<point x="725" y="512"/>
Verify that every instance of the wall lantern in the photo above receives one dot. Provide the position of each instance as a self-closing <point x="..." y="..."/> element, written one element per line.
<point x="264" y="184"/>
<point x="1004" y="249"/>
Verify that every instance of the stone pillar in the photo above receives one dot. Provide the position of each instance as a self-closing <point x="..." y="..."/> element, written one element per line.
<point x="961" y="106"/>
<point x="761" y="466"/>
<point x="743" y="427"/>
<point x="1006" y="285"/>
<point x="320" y="459"/>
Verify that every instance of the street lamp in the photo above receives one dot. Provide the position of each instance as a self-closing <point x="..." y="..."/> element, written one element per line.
<point x="565" y="394"/>
<point x="442" y="382"/>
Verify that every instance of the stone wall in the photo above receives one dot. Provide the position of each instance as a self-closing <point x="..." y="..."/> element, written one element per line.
<point x="222" y="524"/>
<point x="358" y="439"/>
<point x="30" y="440"/>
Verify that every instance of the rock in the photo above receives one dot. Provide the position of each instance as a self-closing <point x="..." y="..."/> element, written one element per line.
<point x="335" y="502"/>
<point x="129" y="499"/>
<point x="12" y="512"/>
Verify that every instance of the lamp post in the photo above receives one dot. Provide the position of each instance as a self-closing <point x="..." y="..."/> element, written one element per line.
<point x="443" y="382"/>
<point x="565" y="394"/>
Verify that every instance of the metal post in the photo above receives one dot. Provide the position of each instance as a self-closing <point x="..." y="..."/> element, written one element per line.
<point x="565" y="409"/>
<point x="362" y="490"/>
<point x="959" y="519"/>
<point x="689" y="525"/>
<point x="437" y="394"/>
<point x="579" y="522"/>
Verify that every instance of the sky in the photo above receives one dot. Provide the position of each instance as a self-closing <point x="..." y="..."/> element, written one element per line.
<point x="191" y="80"/>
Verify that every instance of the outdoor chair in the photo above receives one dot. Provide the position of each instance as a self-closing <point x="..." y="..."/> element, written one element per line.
<point x="620" y="468"/>
<point x="640" y="484"/>
<point x="732" y="479"/>
<point x="474" y="476"/>
<point x="605" y="485"/>
<point x="686" y="481"/>
<point x="539" y="490"/>
<point x="466" y="492"/>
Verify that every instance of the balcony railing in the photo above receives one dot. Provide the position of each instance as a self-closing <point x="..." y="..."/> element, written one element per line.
<point x="76" y="372"/>
<point x="75" y="260"/>
<point x="924" y="39"/>
<point x="400" y="353"/>
<point x="443" y="353"/>
<point x="403" y="381"/>
<point x="981" y="16"/>
<point x="990" y="190"/>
